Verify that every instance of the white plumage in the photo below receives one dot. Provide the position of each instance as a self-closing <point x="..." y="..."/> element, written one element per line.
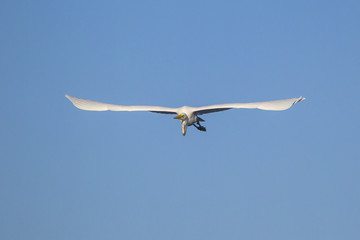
<point x="187" y="115"/>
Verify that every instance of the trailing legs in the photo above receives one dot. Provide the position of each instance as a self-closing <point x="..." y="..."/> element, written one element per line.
<point x="200" y="127"/>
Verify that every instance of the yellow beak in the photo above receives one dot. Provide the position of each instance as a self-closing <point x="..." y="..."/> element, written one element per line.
<point x="179" y="116"/>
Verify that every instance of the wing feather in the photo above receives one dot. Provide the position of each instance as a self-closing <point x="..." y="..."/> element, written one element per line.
<point x="90" y="105"/>
<point x="277" y="105"/>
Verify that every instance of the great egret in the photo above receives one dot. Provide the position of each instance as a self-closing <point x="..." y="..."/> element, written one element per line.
<point x="187" y="115"/>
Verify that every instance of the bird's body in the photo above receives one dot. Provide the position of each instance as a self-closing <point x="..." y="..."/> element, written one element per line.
<point x="187" y="115"/>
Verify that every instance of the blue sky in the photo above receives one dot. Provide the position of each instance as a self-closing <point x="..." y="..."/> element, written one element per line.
<point x="71" y="174"/>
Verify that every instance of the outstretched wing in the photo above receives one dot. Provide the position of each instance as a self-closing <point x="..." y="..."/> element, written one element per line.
<point x="91" y="105"/>
<point x="277" y="105"/>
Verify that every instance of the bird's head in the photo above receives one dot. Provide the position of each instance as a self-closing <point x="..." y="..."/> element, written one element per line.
<point x="181" y="117"/>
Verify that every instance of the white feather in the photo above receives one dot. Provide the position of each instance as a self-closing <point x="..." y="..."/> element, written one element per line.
<point x="190" y="114"/>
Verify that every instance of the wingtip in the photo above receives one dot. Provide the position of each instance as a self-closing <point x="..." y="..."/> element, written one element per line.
<point x="68" y="97"/>
<point x="300" y="99"/>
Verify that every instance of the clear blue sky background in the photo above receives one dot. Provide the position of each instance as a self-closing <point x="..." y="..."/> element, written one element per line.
<point x="71" y="174"/>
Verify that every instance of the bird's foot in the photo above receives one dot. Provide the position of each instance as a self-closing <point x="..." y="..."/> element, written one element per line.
<point x="202" y="128"/>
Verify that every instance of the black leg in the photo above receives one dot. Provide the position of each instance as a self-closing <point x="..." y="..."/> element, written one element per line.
<point x="200" y="128"/>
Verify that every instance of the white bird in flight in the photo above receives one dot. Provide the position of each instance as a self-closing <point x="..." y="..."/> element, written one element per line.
<point x="187" y="115"/>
